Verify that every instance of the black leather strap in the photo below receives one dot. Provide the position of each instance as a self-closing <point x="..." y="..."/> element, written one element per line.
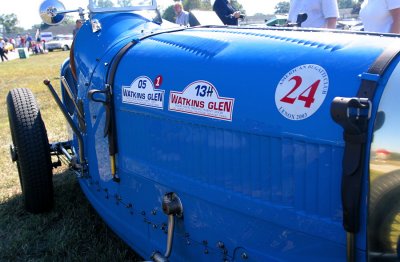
<point x="352" y="114"/>
<point x="110" y="128"/>
<point x="378" y="68"/>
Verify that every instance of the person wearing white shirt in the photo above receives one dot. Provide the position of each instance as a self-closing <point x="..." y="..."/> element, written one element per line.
<point x="381" y="16"/>
<point x="321" y="13"/>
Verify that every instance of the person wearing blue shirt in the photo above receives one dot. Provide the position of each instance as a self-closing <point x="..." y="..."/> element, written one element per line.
<point x="182" y="17"/>
<point x="226" y="12"/>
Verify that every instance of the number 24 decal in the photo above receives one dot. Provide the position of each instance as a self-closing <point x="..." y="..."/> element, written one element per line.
<point x="307" y="99"/>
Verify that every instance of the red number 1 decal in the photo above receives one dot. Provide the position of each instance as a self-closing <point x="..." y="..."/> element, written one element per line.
<point x="308" y="99"/>
<point x="158" y="81"/>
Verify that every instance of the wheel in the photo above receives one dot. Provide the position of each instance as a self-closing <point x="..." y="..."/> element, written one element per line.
<point x="50" y="50"/>
<point x="31" y="150"/>
<point x="384" y="208"/>
<point x="65" y="48"/>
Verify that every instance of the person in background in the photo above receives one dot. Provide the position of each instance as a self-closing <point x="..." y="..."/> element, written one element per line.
<point x="12" y="41"/>
<point x="2" y="53"/>
<point x="18" y="41"/>
<point x="182" y="17"/>
<point x="321" y="13"/>
<point x="44" y="45"/>
<point x="78" y="25"/>
<point x="23" y="41"/>
<point x="226" y="12"/>
<point x="28" y="42"/>
<point x="381" y="16"/>
<point x="37" y="46"/>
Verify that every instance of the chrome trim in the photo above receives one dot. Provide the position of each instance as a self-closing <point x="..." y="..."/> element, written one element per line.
<point x="69" y="120"/>
<point x="71" y="96"/>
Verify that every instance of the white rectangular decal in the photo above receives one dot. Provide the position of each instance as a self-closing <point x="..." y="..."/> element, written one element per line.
<point x="142" y="93"/>
<point x="201" y="98"/>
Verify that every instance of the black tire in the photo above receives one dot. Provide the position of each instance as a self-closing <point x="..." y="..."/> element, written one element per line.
<point x="65" y="48"/>
<point x="32" y="150"/>
<point x="384" y="209"/>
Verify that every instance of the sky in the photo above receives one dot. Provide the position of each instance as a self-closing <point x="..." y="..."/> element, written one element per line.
<point x="27" y="11"/>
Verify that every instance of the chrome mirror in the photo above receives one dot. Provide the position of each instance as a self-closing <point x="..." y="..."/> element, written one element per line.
<point x="52" y="12"/>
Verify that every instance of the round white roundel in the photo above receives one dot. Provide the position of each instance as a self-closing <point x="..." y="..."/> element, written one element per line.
<point x="301" y="91"/>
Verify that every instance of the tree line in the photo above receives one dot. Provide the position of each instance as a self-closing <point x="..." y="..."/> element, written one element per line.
<point x="10" y="21"/>
<point x="10" y="24"/>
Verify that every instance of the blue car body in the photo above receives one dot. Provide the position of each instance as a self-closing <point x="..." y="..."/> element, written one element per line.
<point x="205" y="113"/>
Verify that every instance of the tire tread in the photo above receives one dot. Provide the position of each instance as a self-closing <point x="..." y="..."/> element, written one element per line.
<point x="32" y="146"/>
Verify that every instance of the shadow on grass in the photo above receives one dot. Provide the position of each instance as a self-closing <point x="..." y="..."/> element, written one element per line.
<point x="72" y="231"/>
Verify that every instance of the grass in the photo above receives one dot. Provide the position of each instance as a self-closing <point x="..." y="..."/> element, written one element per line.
<point x="72" y="231"/>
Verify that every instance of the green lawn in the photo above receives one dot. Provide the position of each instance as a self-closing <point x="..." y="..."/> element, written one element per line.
<point x="72" y="231"/>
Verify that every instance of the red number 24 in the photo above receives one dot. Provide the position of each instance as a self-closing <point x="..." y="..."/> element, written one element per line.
<point x="307" y="99"/>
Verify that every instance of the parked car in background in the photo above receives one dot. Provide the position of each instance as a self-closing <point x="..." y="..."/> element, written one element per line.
<point x="278" y="20"/>
<point x="350" y="24"/>
<point x="46" y="36"/>
<point x="63" y="42"/>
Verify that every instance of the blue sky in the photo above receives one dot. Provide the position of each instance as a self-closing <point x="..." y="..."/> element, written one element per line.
<point x="28" y="14"/>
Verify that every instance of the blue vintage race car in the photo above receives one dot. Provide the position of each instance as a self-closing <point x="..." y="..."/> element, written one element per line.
<point x="218" y="143"/>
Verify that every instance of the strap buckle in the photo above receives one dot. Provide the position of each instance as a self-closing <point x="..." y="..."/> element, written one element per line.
<point x="352" y="113"/>
<point x="359" y="107"/>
